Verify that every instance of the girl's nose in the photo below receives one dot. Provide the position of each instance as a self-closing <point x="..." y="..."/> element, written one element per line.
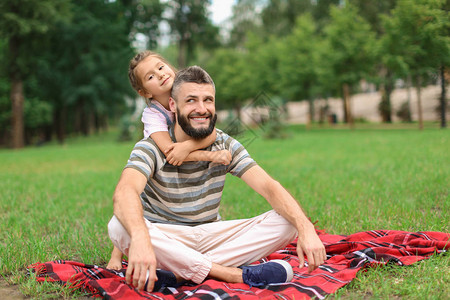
<point x="160" y="74"/>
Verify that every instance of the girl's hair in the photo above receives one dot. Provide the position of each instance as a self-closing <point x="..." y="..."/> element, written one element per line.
<point x="135" y="81"/>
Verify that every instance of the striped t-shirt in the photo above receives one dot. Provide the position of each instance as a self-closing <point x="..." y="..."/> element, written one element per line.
<point x="189" y="194"/>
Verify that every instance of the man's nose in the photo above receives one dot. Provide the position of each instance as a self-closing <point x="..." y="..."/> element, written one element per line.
<point x="201" y="108"/>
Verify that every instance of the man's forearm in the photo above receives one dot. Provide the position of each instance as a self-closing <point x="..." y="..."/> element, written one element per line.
<point x="128" y="209"/>
<point x="284" y="204"/>
<point x="308" y="242"/>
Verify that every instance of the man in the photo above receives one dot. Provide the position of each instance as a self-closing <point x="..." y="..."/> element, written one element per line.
<point x="167" y="218"/>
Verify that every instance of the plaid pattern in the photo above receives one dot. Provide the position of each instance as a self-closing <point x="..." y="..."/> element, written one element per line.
<point x="346" y="255"/>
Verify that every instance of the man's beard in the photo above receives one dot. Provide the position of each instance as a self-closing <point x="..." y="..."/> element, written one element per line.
<point x="196" y="134"/>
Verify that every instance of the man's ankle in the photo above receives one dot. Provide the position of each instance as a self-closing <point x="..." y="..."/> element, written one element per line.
<point x="227" y="274"/>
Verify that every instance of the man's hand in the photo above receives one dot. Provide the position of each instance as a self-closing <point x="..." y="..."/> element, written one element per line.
<point x="310" y="245"/>
<point x="141" y="261"/>
<point x="221" y="157"/>
<point x="176" y="154"/>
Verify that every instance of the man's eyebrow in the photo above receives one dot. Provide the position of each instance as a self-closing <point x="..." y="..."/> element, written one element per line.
<point x="191" y="96"/>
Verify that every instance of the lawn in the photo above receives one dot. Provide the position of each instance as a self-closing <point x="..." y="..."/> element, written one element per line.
<point x="56" y="200"/>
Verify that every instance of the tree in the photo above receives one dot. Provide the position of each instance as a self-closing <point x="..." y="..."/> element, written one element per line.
<point x="191" y="26"/>
<point x="374" y="12"/>
<point x="21" y="24"/>
<point x="350" y="53"/>
<point x="420" y="36"/>
<point x="299" y="61"/>
<point x="143" y="17"/>
<point x="88" y="82"/>
<point x="245" y="18"/>
<point x="321" y="11"/>
<point x="445" y="66"/>
<point x="232" y="77"/>
<point x="279" y="16"/>
<point x="263" y="64"/>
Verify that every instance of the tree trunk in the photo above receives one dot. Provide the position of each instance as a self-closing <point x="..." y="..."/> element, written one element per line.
<point x="17" y="100"/>
<point x="85" y="118"/>
<point x="104" y="122"/>
<point x="385" y="106"/>
<point x="408" y="98"/>
<point x="311" y="110"/>
<point x="183" y="46"/>
<point x="60" y="121"/>
<point x="347" y="109"/>
<point x="389" y="89"/>
<point x="443" y="100"/>
<point x="77" y="119"/>
<point x="419" y="100"/>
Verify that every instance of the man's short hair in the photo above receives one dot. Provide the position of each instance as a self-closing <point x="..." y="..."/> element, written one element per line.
<point x="194" y="74"/>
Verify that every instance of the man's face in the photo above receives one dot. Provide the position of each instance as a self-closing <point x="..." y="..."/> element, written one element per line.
<point x="195" y="109"/>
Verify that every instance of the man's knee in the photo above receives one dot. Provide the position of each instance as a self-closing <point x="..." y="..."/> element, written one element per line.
<point x="118" y="234"/>
<point x="285" y="229"/>
<point x="114" y="226"/>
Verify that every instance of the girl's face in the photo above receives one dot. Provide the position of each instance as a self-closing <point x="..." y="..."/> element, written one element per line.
<point x="156" y="78"/>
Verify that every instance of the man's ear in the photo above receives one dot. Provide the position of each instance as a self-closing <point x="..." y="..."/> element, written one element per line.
<point x="172" y="105"/>
<point x="144" y="94"/>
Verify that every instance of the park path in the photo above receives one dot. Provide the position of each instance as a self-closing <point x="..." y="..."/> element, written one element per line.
<point x="9" y="292"/>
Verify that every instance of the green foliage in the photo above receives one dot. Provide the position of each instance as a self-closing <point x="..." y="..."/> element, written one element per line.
<point x="5" y="114"/>
<point x="274" y="127"/>
<point x="372" y="12"/>
<point x="245" y="19"/>
<point x="300" y="60"/>
<point x="416" y="38"/>
<point x="37" y="113"/>
<point x="23" y="23"/>
<point x="191" y="26"/>
<point x="351" y="43"/>
<point x="279" y="16"/>
<point x="142" y="17"/>
<point x="22" y="18"/>
<point x="232" y="77"/>
<point x="263" y="64"/>
<point x="90" y="75"/>
<point x="5" y="105"/>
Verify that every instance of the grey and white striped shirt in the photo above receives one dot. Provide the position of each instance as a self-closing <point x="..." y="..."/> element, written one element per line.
<point x="189" y="194"/>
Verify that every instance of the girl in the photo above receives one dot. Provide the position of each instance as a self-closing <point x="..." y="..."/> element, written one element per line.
<point x="152" y="77"/>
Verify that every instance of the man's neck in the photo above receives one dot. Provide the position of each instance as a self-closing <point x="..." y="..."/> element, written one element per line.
<point x="180" y="135"/>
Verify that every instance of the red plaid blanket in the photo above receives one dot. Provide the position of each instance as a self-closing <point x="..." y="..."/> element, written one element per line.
<point x="346" y="255"/>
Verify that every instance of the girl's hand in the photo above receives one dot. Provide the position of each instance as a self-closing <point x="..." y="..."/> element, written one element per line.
<point x="176" y="154"/>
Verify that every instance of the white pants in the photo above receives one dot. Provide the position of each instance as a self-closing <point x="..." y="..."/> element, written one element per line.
<point x="190" y="251"/>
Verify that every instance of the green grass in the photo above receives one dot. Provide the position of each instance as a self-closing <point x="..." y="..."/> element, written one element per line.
<point x="56" y="200"/>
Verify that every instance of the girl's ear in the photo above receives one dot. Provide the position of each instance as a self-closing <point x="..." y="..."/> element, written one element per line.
<point x="172" y="105"/>
<point x="144" y="94"/>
